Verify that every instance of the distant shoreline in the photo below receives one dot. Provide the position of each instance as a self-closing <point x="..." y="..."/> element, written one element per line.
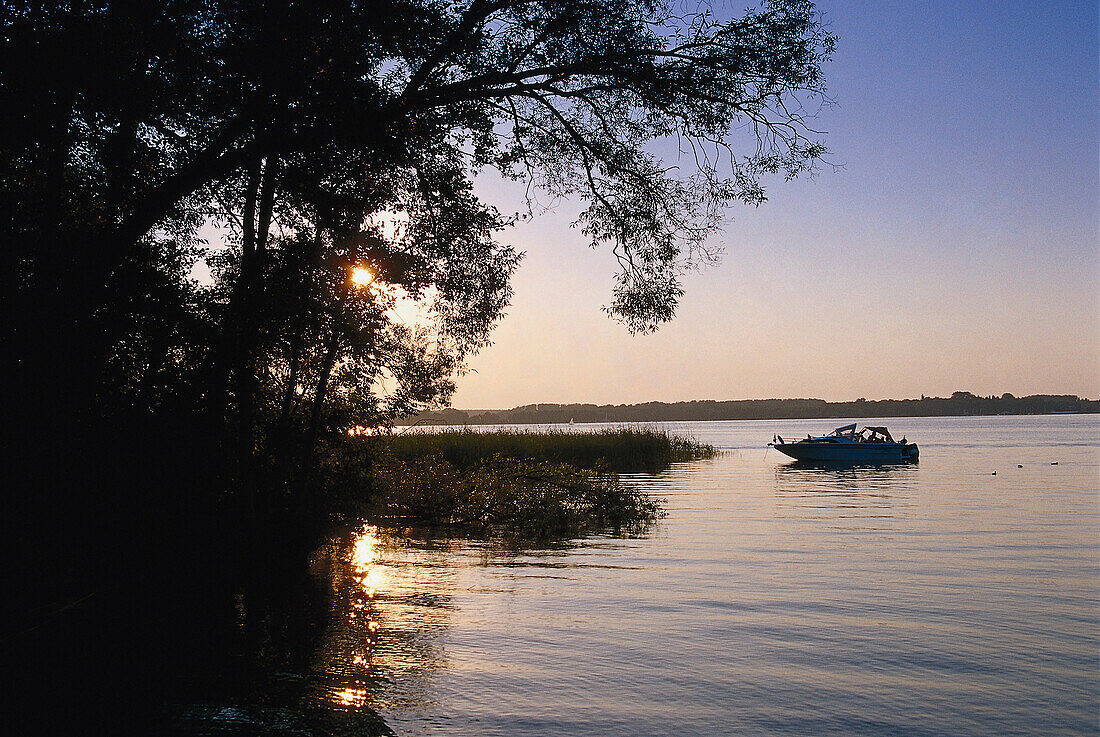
<point x="959" y="404"/>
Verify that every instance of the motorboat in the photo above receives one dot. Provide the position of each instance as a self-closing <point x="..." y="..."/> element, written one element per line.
<point x="847" y="445"/>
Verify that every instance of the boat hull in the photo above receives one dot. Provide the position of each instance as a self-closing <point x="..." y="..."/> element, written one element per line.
<point x="850" y="453"/>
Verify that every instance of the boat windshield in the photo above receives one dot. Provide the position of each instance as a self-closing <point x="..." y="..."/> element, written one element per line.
<point x="875" y="435"/>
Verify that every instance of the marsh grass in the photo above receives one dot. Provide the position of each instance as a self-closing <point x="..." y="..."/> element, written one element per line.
<point x="620" y="450"/>
<point x="528" y="485"/>
<point x="533" y="499"/>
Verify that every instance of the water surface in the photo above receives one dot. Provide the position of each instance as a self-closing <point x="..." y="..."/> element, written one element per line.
<point x="939" y="598"/>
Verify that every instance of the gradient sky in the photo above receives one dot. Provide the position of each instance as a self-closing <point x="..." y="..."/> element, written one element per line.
<point x="956" y="249"/>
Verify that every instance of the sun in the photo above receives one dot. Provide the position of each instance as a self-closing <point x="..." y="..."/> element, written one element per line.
<point x="361" y="276"/>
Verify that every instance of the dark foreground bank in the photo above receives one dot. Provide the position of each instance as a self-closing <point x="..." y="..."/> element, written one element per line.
<point x="157" y="606"/>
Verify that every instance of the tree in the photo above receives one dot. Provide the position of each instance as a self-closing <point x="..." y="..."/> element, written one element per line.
<point x="302" y="128"/>
<point x="143" y="405"/>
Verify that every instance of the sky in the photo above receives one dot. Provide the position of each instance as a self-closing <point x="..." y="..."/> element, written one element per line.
<point x="956" y="247"/>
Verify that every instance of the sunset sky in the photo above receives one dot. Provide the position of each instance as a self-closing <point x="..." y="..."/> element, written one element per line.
<point x="955" y="249"/>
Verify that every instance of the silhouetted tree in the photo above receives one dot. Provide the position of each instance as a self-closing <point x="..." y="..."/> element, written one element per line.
<point x="323" y="137"/>
<point x="301" y="128"/>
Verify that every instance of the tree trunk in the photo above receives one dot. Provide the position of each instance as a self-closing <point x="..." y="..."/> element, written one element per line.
<point x="320" y="392"/>
<point x="246" y="305"/>
<point x="322" y="389"/>
<point x="241" y="349"/>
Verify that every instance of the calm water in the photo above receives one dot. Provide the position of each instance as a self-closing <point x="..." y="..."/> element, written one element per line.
<point x="930" y="599"/>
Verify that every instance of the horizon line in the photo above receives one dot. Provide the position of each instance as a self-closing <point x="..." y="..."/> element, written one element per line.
<point x="987" y="397"/>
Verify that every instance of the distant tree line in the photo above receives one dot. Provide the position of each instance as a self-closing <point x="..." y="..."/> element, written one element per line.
<point x="958" y="404"/>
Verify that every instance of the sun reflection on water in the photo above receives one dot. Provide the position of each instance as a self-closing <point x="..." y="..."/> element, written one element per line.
<point x="364" y="564"/>
<point x="388" y="614"/>
<point x="352" y="698"/>
<point x="366" y="549"/>
<point x="365" y="553"/>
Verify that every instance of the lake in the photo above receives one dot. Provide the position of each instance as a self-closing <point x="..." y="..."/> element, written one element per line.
<point x="957" y="596"/>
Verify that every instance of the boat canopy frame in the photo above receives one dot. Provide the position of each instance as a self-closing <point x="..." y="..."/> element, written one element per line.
<point x="869" y="434"/>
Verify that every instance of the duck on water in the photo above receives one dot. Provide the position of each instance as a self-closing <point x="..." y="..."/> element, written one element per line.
<point x="846" y="445"/>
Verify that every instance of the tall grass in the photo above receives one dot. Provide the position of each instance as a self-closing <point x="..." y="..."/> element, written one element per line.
<point x="529" y="485"/>
<point x="621" y="450"/>
<point x="532" y="500"/>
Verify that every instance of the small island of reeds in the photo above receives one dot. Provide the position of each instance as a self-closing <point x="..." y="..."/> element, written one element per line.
<point x="531" y="484"/>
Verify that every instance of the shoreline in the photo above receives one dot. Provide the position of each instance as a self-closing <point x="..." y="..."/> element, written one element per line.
<point x="478" y="421"/>
<point x="959" y="404"/>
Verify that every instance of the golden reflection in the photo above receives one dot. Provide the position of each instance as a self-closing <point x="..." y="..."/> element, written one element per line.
<point x="370" y="582"/>
<point x="363" y="559"/>
<point x="352" y="698"/>
<point x="384" y="633"/>
<point x="365" y="549"/>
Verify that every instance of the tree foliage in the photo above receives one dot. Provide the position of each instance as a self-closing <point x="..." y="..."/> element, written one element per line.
<point x="160" y="426"/>
<point x="328" y="137"/>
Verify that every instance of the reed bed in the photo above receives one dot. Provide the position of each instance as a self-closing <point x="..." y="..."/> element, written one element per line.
<point x="621" y="450"/>
<point x="528" y="485"/>
<point x="531" y="500"/>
